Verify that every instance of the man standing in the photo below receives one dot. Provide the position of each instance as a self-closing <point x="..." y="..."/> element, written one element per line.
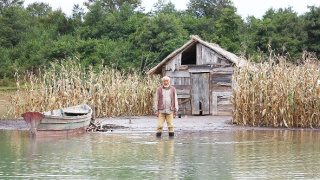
<point x="165" y="105"/>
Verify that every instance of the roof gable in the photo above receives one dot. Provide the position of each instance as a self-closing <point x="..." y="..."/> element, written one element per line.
<point x="196" y="39"/>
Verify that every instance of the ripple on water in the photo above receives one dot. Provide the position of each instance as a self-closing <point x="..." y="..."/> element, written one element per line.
<point x="199" y="155"/>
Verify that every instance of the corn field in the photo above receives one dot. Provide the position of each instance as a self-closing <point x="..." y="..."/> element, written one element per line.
<point x="109" y="92"/>
<point x="277" y="95"/>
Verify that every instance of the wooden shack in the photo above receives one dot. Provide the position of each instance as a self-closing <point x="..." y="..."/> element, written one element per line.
<point x="202" y="74"/>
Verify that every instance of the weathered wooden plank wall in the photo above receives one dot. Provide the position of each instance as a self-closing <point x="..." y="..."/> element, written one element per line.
<point x="221" y="88"/>
<point x="179" y="77"/>
<point x="221" y="104"/>
<point x="206" y="56"/>
<point x="208" y="81"/>
<point x="200" y="96"/>
<point x="174" y="64"/>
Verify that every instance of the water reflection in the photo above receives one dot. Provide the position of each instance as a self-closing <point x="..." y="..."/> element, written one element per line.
<point x="165" y="159"/>
<point x="279" y="154"/>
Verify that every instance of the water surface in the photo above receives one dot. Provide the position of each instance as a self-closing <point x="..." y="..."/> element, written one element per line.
<point x="279" y="154"/>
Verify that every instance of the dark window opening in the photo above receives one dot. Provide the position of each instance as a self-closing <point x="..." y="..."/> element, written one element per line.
<point x="219" y="61"/>
<point x="189" y="56"/>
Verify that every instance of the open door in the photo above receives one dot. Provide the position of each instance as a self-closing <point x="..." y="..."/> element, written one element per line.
<point x="200" y="93"/>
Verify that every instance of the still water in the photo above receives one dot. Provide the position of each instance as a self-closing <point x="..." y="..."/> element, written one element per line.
<point x="280" y="154"/>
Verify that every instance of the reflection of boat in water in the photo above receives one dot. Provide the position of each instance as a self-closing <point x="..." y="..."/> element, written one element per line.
<point x="68" y="120"/>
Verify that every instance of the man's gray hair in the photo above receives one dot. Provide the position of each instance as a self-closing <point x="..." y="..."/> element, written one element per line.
<point x="166" y="77"/>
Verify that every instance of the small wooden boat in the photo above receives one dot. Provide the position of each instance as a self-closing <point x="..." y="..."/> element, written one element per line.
<point x="68" y="120"/>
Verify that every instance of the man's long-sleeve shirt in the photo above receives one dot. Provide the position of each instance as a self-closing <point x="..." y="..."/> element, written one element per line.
<point x="166" y="102"/>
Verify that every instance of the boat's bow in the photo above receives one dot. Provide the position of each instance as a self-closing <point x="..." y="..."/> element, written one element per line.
<point x="32" y="119"/>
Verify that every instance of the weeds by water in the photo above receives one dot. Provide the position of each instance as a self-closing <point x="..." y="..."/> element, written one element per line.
<point x="108" y="91"/>
<point x="278" y="94"/>
<point x="274" y="93"/>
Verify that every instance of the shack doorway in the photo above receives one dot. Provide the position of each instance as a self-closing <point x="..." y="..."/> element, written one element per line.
<point x="200" y="93"/>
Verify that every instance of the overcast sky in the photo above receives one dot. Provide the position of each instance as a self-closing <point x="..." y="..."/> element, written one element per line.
<point x="256" y="8"/>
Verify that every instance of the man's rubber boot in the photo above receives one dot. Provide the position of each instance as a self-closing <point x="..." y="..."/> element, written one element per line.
<point x="171" y="134"/>
<point x="158" y="134"/>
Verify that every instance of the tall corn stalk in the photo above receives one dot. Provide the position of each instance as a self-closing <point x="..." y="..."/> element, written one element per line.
<point x="108" y="91"/>
<point x="281" y="95"/>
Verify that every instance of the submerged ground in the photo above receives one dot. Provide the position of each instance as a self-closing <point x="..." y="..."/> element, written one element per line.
<point x="146" y="123"/>
<point x="149" y="124"/>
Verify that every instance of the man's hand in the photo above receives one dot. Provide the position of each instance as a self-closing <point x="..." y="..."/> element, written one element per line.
<point x="175" y="114"/>
<point x="157" y="113"/>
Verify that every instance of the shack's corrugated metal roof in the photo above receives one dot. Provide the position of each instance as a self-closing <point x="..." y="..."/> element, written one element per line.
<point x="215" y="47"/>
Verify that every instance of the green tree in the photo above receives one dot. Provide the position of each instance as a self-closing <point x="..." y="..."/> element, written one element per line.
<point x="120" y="24"/>
<point x="227" y="33"/>
<point x="117" y="53"/>
<point x="58" y="20"/>
<point x="5" y="63"/>
<point x="113" y="23"/>
<point x="280" y="32"/>
<point x="157" y="37"/>
<point x="38" y="10"/>
<point x="208" y="8"/>
<point x="88" y="52"/>
<point x="14" y="21"/>
<point x="161" y="6"/>
<point x="312" y="28"/>
<point x="63" y="47"/>
<point x="77" y="17"/>
<point x="93" y="21"/>
<point x="10" y="3"/>
<point x="114" y="4"/>
<point x="204" y="27"/>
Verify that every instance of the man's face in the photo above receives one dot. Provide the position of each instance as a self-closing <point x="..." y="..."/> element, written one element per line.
<point x="165" y="82"/>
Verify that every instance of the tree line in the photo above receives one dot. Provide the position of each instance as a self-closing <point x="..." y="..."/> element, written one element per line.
<point x="122" y="35"/>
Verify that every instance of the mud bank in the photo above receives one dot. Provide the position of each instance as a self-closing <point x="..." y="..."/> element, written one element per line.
<point x="188" y="123"/>
<point x="13" y="124"/>
<point x="149" y="123"/>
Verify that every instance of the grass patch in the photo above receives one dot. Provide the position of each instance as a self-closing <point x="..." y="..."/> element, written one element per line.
<point x="4" y="88"/>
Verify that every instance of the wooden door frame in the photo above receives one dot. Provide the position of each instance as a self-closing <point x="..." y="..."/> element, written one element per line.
<point x="208" y="94"/>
